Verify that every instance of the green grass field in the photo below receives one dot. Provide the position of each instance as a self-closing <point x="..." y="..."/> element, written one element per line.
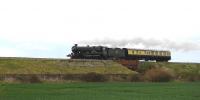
<point x="101" y="91"/>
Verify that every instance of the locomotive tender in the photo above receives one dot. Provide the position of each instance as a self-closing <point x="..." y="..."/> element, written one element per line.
<point x="102" y="52"/>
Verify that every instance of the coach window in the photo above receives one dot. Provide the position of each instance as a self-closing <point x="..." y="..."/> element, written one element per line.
<point x="168" y="54"/>
<point x="164" y="54"/>
<point x="161" y="53"/>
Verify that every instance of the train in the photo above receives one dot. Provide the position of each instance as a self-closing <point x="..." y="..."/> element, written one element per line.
<point x="106" y="53"/>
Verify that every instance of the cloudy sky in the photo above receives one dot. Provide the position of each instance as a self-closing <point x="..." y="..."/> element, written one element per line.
<point x="48" y="28"/>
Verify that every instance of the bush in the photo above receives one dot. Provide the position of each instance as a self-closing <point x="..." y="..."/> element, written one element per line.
<point x="189" y="76"/>
<point x="94" y="77"/>
<point x="2" y="78"/>
<point x="144" y="66"/>
<point x="68" y="77"/>
<point x="193" y="78"/>
<point x="34" y="79"/>
<point x="158" y="75"/>
<point x="136" y="78"/>
<point x="28" y="79"/>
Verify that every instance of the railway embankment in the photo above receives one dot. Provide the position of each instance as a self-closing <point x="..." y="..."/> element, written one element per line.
<point x="67" y="70"/>
<point x="45" y="69"/>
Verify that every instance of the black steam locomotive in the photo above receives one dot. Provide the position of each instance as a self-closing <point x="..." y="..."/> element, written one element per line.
<point x="102" y="52"/>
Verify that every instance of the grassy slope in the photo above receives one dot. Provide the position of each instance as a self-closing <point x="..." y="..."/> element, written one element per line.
<point x="101" y="91"/>
<point x="182" y="71"/>
<point x="171" y="64"/>
<point x="59" y="66"/>
<point x="176" y="67"/>
<point x="63" y="66"/>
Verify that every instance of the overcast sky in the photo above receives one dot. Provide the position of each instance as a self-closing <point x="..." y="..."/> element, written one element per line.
<point x="48" y="28"/>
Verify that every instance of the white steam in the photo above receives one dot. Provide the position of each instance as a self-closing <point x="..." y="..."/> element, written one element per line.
<point x="145" y="44"/>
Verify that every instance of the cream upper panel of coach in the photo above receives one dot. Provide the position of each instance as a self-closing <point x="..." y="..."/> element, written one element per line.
<point x="148" y="52"/>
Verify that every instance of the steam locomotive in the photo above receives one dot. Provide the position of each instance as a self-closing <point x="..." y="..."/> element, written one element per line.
<point x="102" y="52"/>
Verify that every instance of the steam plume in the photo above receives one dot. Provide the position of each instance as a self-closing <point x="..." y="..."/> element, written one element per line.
<point x="145" y="44"/>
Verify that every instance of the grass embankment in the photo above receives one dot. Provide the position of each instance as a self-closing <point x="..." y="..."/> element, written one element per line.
<point x="59" y="66"/>
<point x="180" y="71"/>
<point x="147" y="71"/>
<point x="101" y="91"/>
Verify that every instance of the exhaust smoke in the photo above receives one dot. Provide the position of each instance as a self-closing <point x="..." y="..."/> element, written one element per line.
<point x="144" y="44"/>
